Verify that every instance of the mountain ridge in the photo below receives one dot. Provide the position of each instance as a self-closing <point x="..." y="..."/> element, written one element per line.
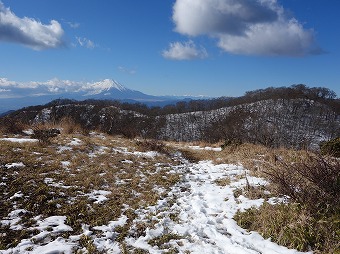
<point x="14" y="95"/>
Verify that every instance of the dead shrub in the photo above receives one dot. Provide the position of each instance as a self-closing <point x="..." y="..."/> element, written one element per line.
<point x="69" y="126"/>
<point x="331" y="147"/>
<point x="11" y="126"/>
<point x="252" y="192"/>
<point x="310" y="221"/>
<point x="314" y="182"/>
<point x="45" y="135"/>
<point x="191" y="155"/>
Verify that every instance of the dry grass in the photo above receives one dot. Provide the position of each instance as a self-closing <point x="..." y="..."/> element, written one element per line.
<point x="253" y="192"/>
<point x="255" y="158"/>
<point x="66" y="125"/>
<point x="223" y="181"/>
<point x="293" y="226"/>
<point x="58" y="178"/>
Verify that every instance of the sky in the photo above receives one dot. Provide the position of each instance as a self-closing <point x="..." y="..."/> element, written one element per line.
<point x="171" y="47"/>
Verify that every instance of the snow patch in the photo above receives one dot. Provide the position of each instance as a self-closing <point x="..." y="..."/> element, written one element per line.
<point x="98" y="195"/>
<point x="75" y="142"/>
<point x="15" y="165"/>
<point x="57" y="223"/>
<point x="20" y="140"/>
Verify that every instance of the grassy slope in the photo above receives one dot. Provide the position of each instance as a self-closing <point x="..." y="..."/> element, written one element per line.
<point x="59" y="178"/>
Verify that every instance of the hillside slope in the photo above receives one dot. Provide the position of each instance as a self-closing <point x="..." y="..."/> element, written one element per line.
<point x="294" y="123"/>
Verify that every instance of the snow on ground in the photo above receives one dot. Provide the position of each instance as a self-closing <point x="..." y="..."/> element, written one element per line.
<point x="75" y="142"/>
<point x="98" y="195"/>
<point x="19" y="140"/>
<point x="13" y="218"/>
<point x="15" y="165"/>
<point x="47" y="227"/>
<point x="206" y="213"/>
<point x="124" y="150"/>
<point x="216" y="149"/>
<point x="50" y="182"/>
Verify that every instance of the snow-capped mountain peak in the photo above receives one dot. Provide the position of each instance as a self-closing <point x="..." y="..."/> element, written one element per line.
<point x="103" y="86"/>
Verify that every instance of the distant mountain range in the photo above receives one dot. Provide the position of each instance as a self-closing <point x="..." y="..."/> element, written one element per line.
<point x="14" y="96"/>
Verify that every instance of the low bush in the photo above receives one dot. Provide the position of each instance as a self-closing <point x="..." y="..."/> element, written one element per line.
<point x="231" y="143"/>
<point x="11" y="126"/>
<point x="311" y="219"/>
<point x="314" y="182"/>
<point x="69" y="126"/>
<point x="153" y="145"/>
<point x="331" y="147"/>
<point x="45" y="135"/>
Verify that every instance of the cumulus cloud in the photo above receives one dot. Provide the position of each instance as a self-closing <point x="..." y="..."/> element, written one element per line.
<point x="28" y="31"/>
<point x="184" y="51"/>
<point x="248" y="27"/>
<point x="4" y="82"/>
<point x="84" y="42"/>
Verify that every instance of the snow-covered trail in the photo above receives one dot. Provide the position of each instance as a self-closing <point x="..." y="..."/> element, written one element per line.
<point x="205" y="214"/>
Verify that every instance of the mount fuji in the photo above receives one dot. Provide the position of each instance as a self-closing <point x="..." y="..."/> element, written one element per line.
<point x="111" y="89"/>
<point x="15" y="95"/>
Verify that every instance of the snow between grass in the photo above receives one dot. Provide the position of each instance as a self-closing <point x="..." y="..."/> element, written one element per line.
<point x="206" y="213"/>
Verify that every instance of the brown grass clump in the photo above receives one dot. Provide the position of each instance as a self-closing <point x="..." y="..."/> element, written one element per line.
<point x="223" y="181"/>
<point x="69" y="126"/>
<point x="45" y="135"/>
<point x="162" y="240"/>
<point x="253" y="192"/>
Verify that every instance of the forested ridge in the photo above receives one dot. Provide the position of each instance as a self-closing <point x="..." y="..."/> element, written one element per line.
<point x="295" y="117"/>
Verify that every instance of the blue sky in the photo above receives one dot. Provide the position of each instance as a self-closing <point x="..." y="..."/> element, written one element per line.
<point x="172" y="47"/>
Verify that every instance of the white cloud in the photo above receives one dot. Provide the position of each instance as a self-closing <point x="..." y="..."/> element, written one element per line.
<point x="248" y="27"/>
<point x="28" y="31"/>
<point x="84" y="42"/>
<point x="53" y="85"/>
<point x="73" y="25"/>
<point x="4" y="82"/>
<point x="127" y="70"/>
<point x="184" y="51"/>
